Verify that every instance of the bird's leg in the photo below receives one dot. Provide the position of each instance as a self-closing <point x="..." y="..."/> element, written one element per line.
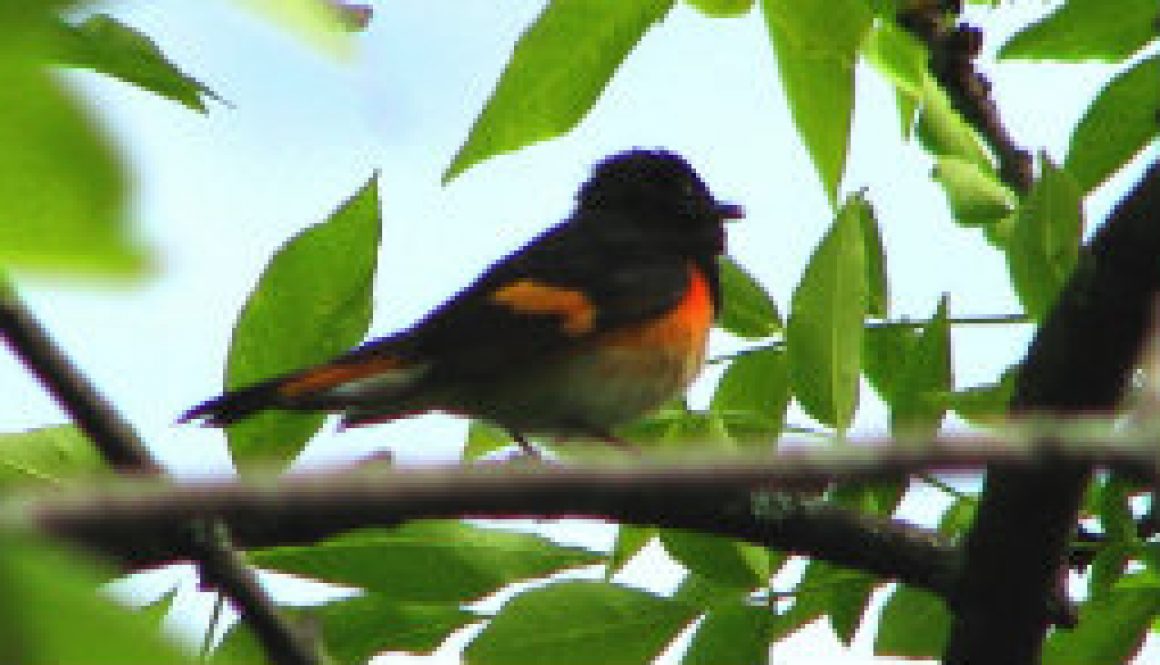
<point x="529" y="451"/>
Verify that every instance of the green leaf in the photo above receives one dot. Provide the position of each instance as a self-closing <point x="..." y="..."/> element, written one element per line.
<point x="582" y="623"/>
<point x="312" y="302"/>
<point x="899" y="56"/>
<point x="725" y="561"/>
<point x="841" y="594"/>
<point x="730" y="634"/>
<point x="1045" y="241"/>
<point x="355" y="629"/>
<point x="986" y="404"/>
<point x="877" y="288"/>
<point x="976" y="195"/>
<point x="63" y="189"/>
<point x="817" y="43"/>
<point x="722" y="8"/>
<point x="1086" y="30"/>
<point x="484" y="438"/>
<point x="752" y="396"/>
<point x="958" y="518"/>
<point x="427" y="561"/>
<point x="1111" y="626"/>
<point x="558" y="70"/>
<point x="872" y="497"/>
<point x="824" y="336"/>
<point x="914" y="624"/>
<point x="105" y="45"/>
<point x="323" y="23"/>
<point x="1118" y="125"/>
<point x="48" y="456"/>
<point x="705" y="593"/>
<point x="885" y="350"/>
<point x="919" y="402"/>
<point x="629" y="541"/>
<point x="748" y="310"/>
<point x="51" y="612"/>
<point x="944" y="132"/>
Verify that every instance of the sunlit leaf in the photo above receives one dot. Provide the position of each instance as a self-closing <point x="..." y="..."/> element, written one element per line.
<point x="1086" y="30"/>
<point x="1118" y="125"/>
<point x="558" y="70"/>
<point x="752" y="396"/>
<point x="748" y="310"/>
<point x="355" y="629"/>
<point x="731" y="634"/>
<point x="976" y="195"/>
<point x="914" y="624"/>
<point x="919" y="400"/>
<point x="324" y="23"/>
<point x="724" y="561"/>
<point x="817" y="44"/>
<point x="1111" y="627"/>
<point x="47" y="457"/>
<point x="630" y="540"/>
<point x="722" y="8"/>
<point x="312" y="302"/>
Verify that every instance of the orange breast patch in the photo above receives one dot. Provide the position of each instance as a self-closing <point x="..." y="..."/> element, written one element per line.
<point x="685" y="326"/>
<point x="576" y="312"/>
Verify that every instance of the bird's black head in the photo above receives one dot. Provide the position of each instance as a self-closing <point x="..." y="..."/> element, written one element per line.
<point x="657" y="191"/>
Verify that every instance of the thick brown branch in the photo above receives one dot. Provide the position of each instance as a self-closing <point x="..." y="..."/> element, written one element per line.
<point x="1079" y="362"/>
<point x="124" y="451"/>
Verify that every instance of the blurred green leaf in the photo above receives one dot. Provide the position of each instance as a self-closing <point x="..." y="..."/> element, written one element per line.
<point x="470" y="561"/>
<point x="1111" y="626"/>
<point x="877" y="287"/>
<point x="484" y="438"/>
<point x="986" y="404"/>
<point x="581" y="623"/>
<point x="52" y="612"/>
<point x="558" y="70"/>
<point x="753" y="395"/>
<point x="958" y="517"/>
<point x="824" y="336"/>
<point x="63" y="189"/>
<point x="355" y="629"/>
<point x="629" y="541"/>
<point x="919" y="402"/>
<point x="944" y="132"/>
<point x="1086" y="30"/>
<point x="1045" y="241"/>
<point x="323" y="23"/>
<point x="748" y="310"/>
<point x="976" y="195"/>
<point x="312" y="302"/>
<point x="239" y="647"/>
<point x="879" y="498"/>
<point x="731" y="634"/>
<point x="48" y="456"/>
<point x="722" y="8"/>
<point x="104" y="44"/>
<point x="1117" y="126"/>
<point x="725" y="561"/>
<point x="914" y="624"/>
<point x="817" y="43"/>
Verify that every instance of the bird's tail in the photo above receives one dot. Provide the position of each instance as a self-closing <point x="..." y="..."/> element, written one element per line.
<point x="350" y="382"/>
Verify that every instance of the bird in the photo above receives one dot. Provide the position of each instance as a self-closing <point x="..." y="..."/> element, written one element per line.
<point x="594" y="323"/>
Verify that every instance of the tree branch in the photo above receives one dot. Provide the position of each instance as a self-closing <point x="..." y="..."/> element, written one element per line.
<point x="1078" y="362"/>
<point x="118" y="443"/>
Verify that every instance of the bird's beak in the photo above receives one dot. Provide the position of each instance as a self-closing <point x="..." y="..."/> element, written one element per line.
<point x="730" y="211"/>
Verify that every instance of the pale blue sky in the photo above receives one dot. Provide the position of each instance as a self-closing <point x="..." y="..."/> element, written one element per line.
<point x="217" y="194"/>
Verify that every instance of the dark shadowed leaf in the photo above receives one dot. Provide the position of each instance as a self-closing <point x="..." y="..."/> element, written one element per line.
<point x="580" y="623"/>
<point x="104" y="44"/>
<point x="752" y="396"/>
<point x="877" y="288"/>
<point x="312" y="302"/>
<point x="355" y="629"/>
<point x="48" y="456"/>
<point x="748" y="310"/>
<point x="427" y="561"/>
<point x="722" y="8"/>
<point x="724" y="561"/>
<point x="1086" y="30"/>
<point x="817" y="44"/>
<point x="1118" y="125"/>
<point x="731" y="634"/>
<point x="1045" y="240"/>
<point x="988" y="403"/>
<point x="824" y="336"/>
<point x="556" y="73"/>
<point x="629" y="541"/>
<point x="913" y="624"/>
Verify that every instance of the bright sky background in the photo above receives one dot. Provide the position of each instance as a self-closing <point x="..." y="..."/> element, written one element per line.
<point x="217" y="194"/>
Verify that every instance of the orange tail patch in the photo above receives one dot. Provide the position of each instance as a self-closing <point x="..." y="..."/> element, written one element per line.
<point x="326" y="377"/>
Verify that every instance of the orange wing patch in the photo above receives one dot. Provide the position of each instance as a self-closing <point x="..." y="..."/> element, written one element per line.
<point x="576" y="311"/>
<point x="330" y="376"/>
